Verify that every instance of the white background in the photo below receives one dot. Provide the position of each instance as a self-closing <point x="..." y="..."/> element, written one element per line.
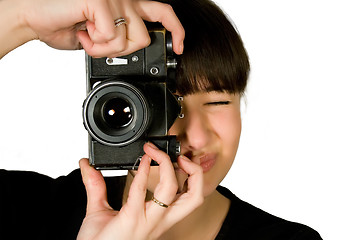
<point x="289" y="157"/>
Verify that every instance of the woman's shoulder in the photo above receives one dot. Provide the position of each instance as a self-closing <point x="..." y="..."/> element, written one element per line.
<point x="31" y="199"/>
<point x="245" y="221"/>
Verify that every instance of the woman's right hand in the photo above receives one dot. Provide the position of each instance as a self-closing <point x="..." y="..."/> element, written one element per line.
<point x="69" y="24"/>
<point x="139" y="219"/>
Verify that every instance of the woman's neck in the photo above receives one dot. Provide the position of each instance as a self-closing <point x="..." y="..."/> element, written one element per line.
<point x="203" y="223"/>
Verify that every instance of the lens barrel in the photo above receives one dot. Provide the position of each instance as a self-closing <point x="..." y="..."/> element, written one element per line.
<point x="116" y="113"/>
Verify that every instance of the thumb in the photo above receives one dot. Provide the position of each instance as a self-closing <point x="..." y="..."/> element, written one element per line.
<point x="95" y="188"/>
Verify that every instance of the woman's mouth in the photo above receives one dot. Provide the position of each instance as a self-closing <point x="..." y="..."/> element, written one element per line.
<point x="207" y="161"/>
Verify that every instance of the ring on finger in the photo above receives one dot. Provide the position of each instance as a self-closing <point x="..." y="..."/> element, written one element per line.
<point x="159" y="203"/>
<point x="119" y="21"/>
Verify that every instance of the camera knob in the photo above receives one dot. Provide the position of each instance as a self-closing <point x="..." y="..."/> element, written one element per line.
<point x="178" y="148"/>
<point x="154" y="71"/>
<point x="171" y="63"/>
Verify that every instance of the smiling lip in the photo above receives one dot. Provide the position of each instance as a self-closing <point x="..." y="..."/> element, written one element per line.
<point x="207" y="161"/>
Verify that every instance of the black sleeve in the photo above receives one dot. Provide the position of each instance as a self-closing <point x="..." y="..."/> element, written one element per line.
<point x="34" y="206"/>
<point x="287" y="231"/>
<point x="245" y="221"/>
<point x="257" y="224"/>
<point x="307" y="233"/>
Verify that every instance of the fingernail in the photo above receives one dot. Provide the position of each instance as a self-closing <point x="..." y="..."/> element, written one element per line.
<point x="183" y="157"/>
<point x="147" y="159"/>
<point x="152" y="145"/>
<point x="181" y="47"/>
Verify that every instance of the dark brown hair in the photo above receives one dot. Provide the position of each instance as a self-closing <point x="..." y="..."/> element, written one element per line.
<point x="214" y="57"/>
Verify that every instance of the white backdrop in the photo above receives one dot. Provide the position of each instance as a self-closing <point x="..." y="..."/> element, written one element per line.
<point x="289" y="157"/>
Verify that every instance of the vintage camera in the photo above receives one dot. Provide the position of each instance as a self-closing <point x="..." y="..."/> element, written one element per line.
<point x="131" y="101"/>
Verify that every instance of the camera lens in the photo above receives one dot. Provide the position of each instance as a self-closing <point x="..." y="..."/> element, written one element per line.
<point x="117" y="113"/>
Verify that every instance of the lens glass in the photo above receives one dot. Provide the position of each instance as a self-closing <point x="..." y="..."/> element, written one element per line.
<point x="117" y="113"/>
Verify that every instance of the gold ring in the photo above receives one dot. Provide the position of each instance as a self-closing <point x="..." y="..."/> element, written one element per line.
<point x="159" y="203"/>
<point x="119" y="21"/>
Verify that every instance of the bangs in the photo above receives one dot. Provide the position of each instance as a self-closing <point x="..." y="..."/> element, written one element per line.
<point x="214" y="57"/>
<point x="215" y="71"/>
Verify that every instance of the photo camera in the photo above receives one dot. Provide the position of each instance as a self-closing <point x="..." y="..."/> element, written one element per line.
<point x="130" y="100"/>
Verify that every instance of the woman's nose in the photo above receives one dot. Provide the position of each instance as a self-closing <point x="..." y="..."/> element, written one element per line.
<point x="193" y="131"/>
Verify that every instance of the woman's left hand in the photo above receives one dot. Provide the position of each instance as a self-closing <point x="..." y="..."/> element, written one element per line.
<point x="139" y="219"/>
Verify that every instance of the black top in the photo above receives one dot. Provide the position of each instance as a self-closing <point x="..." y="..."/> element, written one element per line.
<point x="34" y="206"/>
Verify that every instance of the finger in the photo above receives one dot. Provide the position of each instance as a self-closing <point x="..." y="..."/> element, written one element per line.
<point x="163" y="13"/>
<point x="138" y="188"/>
<point x="112" y="49"/>
<point x="181" y="177"/>
<point x="187" y="202"/>
<point x="167" y="187"/>
<point x="103" y="38"/>
<point x="95" y="187"/>
<point x="137" y="33"/>
<point x="196" y="176"/>
<point x="137" y="36"/>
<point x="100" y="15"/>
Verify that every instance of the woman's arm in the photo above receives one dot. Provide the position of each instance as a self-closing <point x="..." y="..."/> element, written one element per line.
<point x="88" y="24"/>
<point x="14" y="31"/>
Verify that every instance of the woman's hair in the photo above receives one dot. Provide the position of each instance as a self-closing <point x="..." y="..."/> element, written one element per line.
<point x="214" y="57"/>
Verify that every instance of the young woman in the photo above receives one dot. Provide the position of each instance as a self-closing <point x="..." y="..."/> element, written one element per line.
<point x="170" y="201"/>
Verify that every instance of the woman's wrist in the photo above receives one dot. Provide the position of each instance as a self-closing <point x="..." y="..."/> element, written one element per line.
<point x="14" y="28"/>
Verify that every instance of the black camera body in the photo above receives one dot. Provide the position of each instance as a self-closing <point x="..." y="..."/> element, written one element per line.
<point x="130" y="101"/>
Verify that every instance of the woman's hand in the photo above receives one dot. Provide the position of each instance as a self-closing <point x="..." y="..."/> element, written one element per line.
<point x="72" y="24"/>
<point x="138" y="219"/>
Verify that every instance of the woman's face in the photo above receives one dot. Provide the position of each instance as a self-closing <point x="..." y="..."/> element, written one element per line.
<point x="209" y="135"/>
